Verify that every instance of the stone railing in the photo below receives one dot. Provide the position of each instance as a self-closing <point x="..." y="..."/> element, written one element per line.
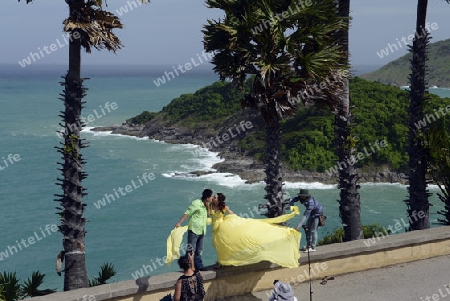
<point x="332" y="259"/>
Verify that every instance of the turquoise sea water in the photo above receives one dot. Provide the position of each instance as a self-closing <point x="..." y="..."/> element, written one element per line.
<point x="131" y="231"/>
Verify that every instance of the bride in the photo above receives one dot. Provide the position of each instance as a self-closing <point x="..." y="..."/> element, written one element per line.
<point x="241" y="241"/>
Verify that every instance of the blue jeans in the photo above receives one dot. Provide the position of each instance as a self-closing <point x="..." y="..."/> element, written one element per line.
<point x="195" y="244"/>
<point x="312" y="223"/>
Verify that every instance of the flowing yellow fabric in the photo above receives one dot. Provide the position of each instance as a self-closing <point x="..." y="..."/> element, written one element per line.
<point x="174" y="242"/>
<point x="241" y="241"/>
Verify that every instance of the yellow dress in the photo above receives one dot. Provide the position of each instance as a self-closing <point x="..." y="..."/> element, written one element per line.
<point x="241" y="241"/>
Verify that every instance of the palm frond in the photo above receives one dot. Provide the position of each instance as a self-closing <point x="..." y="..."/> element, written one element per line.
<point x="31" y="286"/>
<point x="94" y="26"/>
<point x="107" y="271"/>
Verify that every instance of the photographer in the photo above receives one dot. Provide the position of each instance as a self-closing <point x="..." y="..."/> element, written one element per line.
<point x="311" y="215"/>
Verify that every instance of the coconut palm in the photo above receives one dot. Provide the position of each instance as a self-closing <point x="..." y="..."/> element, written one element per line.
<point x="349" y="202"/>
<point x="89" y="27"/>
<point x="285" y="48"/>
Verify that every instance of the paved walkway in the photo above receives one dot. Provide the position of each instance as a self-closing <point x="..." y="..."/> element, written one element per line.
<point x="424" y="280"/>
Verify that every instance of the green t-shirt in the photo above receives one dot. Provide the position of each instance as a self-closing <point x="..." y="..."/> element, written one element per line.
<point x="197" y="217"/>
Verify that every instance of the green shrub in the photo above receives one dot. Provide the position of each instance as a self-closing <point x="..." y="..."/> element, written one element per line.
<point x="337" y="235"/>
<point x="142" y="118"/>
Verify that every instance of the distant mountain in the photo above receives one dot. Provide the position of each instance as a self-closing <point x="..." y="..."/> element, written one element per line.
<point x="397" y="72"/>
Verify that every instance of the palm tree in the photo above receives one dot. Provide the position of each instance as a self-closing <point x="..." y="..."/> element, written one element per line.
<point x="418" y="193"/>
<point x="349" y="202"/>
<point x="285" y="48"/>
<point x="89" y="27"/>
<point x="417" y="203"/>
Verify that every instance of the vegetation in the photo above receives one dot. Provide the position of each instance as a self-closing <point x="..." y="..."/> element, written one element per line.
<point x="213" y="104"/>
<point x="337" y="235"/>
<point x="380" y="113"/>
<point x="142" y="118"/>
<point x="12" y="290"/>
<point x="397" y="72"/>
<point x="107" y="271"/>
<point x="91" y="27"/>
<point x="436" y="140"/>
<point x="284" y="57"/>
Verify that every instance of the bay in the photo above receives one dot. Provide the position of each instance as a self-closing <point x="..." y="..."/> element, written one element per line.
<point x="132" y="229"/>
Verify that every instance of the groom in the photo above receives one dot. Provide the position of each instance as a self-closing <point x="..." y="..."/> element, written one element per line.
<point x="197" y="213"/>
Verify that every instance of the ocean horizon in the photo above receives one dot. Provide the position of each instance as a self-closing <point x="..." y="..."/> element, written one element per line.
<point x="127" y="226"/>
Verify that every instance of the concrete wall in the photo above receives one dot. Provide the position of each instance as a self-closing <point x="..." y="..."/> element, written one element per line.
<point x="328" y="260"/>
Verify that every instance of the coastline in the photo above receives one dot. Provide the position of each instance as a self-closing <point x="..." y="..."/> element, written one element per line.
<point x="235" y="161"/>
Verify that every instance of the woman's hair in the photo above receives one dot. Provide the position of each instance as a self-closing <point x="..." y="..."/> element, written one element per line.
<point x="221" y="202"/>
<point x="206" y="194"/>
<point x="184" y="262"/>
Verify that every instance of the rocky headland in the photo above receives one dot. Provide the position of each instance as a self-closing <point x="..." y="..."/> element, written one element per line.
<point x="224" y="139"/>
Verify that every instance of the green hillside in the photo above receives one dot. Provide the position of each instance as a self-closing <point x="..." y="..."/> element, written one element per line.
<point x="397" y="72"/>
<point x="380" y="113"/>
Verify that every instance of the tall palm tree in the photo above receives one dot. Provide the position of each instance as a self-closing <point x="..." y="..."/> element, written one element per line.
<point x="349" y="202"/>
<point x="418" y="193"/>
<point x="417" y="203"/>
<point x="285" y="47"/>
<point x="89" y="27"/>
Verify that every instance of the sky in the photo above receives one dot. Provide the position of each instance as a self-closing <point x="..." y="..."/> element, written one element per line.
<point x="167" y="32"/>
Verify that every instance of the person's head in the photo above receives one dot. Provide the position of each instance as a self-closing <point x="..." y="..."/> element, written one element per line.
<point x="207" y="195"/>
<point x="184" y="262"/>
<point x="303" y="195"/>
<point x="221" y="202"/>
<point x="283" y="291"/>
<point x="215" y="199"/>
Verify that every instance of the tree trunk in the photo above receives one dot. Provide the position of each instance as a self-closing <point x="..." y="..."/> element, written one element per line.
<point x="418" y="206"/>
<point x="274" y="184"/>
<point x="349" y="202"/>
<point x="72" y="221"/>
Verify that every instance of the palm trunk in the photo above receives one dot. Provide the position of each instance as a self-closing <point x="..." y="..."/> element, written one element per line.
<point x="349" y="202"/>
<point x="272" y="162"/>
<point x="72" y="221"/>
<point x="418" y="206"/>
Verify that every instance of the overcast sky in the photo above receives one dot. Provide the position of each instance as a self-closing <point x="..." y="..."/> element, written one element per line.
<point x="169" y="31"/>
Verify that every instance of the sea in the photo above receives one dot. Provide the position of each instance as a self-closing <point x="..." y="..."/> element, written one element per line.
<point x="137" y="188"/>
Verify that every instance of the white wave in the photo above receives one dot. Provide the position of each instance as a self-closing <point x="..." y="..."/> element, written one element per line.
<point x="222" y="179"/>
<point x="383" y="184"/>
<point x="202" y="160"/>
<point x="305" y="185"/>
<point x="109" y="133"/>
